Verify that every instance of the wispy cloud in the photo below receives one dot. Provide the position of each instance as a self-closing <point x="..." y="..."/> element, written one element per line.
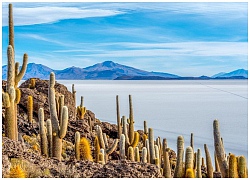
<point x="50" y="14"/>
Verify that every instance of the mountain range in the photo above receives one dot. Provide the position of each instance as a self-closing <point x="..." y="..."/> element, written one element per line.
<point x="109" y="70"/>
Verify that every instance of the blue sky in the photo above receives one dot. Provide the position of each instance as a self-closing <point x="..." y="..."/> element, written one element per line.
<point x="187" y="39"/>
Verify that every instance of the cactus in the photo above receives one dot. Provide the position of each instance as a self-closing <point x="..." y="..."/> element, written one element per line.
<point x="101" y="157"/>
<point x="145" y="127"/>
<point x="219" y="149"/>
<point x="30" y="109"/>
<point x="81" y="110"/>
<point x="77" y="145"/>
<point x="32" y="83"/>
<point x="105" y="140"/>
<point x="189" y="173"/>
<point x="119" y="132"/>
<point x="60" y="108"/>
<point x="6" y="100"/>
<point x="144" y="155"/>
<point x="164" y="147"/>
<point x="131" y="121"/>
<point x="131" y="155"/>
<point x="217" y="167"/>
<point x="18" y="96"/>
<point x="157" y="155"/>
<point x="242" y="167"/>
<point x="137" y="154"/>
<point x="97" y="149"/>
<point x="166" y="166"/>
<point x="189" y="158"/>
<point x="44" y="141"/>
<point x="74" y="99"/>
<point x="198" y="162"/>
<point x="151" y="145"/>
<point x="136" y="139"/>
<point x="192" y="140"/>
<point x="157" y="162"/>
<point x="148" y="151"/>
<point x="233" y="172"/>
<point x="180" y="151"/>
<point x="58" y="130"/>
<point x="122" y="147"/>
<point x="208" y="162"/>
<point x="107" y="150"/>
<point x="17" y="172"/>
<point x="85" y="150"/>
<point x="49" y="136"/>
<point x="13" y="77"/>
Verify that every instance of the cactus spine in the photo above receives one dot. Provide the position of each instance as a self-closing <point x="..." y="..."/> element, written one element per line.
<point x="58" y="130"/>
<point x="77" y="145"/>
<point x="13" y="77"/>
<point x="118" y="118"/>
<point x="30" y="108"/>
<point x="208" y="162"/>
<point x="44" y="141"/>
<point x="198" y="162"/>
<point x="233" y="172"/>
<point x="219" y="149"/>
<point x="180" y="151"/>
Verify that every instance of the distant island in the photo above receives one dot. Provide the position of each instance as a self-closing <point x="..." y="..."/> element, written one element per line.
<point x="110" y="70"/>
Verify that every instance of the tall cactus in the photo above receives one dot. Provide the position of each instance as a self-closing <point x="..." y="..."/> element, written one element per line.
<point x="77" y="145"/>
<point x="119" y="132"/>
<point x="49" y="136"/>
<point x="131" y="121"/>
<point x="151" y="145"/>
<point x="192" y="140"/>
<point x="30" y="109"/>
<point x="219" y="149"/>
<point x="122" y="147"/>
<point x="44" y="141"/>
<point x="208" y="162"/>
<point x="198" y="162"/>
<point x="166" y="166"/>
<point x="189" y="158"/>
<point x="13" y="77"/>
<point x="58" y="130"/>
<point x="97" y="149"/>
<point x="180" y="152"/>
<point x="74" y="99"/>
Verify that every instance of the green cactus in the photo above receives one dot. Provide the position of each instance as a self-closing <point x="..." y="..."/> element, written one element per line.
<point x="13" y="77"/>
<point x="166" y="165"/>
<point x="151" y="145"/>
<point x="180" y="152"/>
<point x="43" y="136"/>
<point x="107" y="150"/>
<point x="122" y="147"/>
<point x="242" y="167"/>
<point x="189" y="158"/>
<point x="131" y="121"/>
<point x="58" y="130"/>
<point x="198" y="162"/>
<point x="219" y="149"/>
<point x="77" y="145"/>
<point x="233" y="172"/>
<point x="119" y="132"/>
<point x="208" y="162"/>
<point x="49" y="136"/>
<point x="30" y="109"/>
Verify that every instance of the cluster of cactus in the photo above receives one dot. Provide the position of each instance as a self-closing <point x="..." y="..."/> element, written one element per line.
<point x="81" y="110"/>
<point x="12" y="95"/>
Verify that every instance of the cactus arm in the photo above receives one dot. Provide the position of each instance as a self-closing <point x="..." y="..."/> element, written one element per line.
<point x="148" y="150"/>
<point x="11" y="26"/>
<point x="16" y="68"/>
<point x="11" y="68"/>
<point x="6" y="100"/>
<point x="137" y="155"/>
<point x="44" y="142"/>
<point x="151" y="145"/>
<point x="105" y="140"/>
<point x="61" y="104"/>
<point x="20" y="75"/>
<point x="208" y="162"/>
<point x="18" y="96"/>
<point x="136" y="139"/>
<point x="219" y="149"/>
<point x="112" y="147"/>
<point x="131" y="155"/>
<point x="100" y="137"/>
<point x="124" y="129"/>
<point x="64" y="122"/>
<point x="49" y="136"/>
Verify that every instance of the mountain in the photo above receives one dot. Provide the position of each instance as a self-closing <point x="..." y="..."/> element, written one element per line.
<point x="236" y="73"/>
<point x="107" y="70"/>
